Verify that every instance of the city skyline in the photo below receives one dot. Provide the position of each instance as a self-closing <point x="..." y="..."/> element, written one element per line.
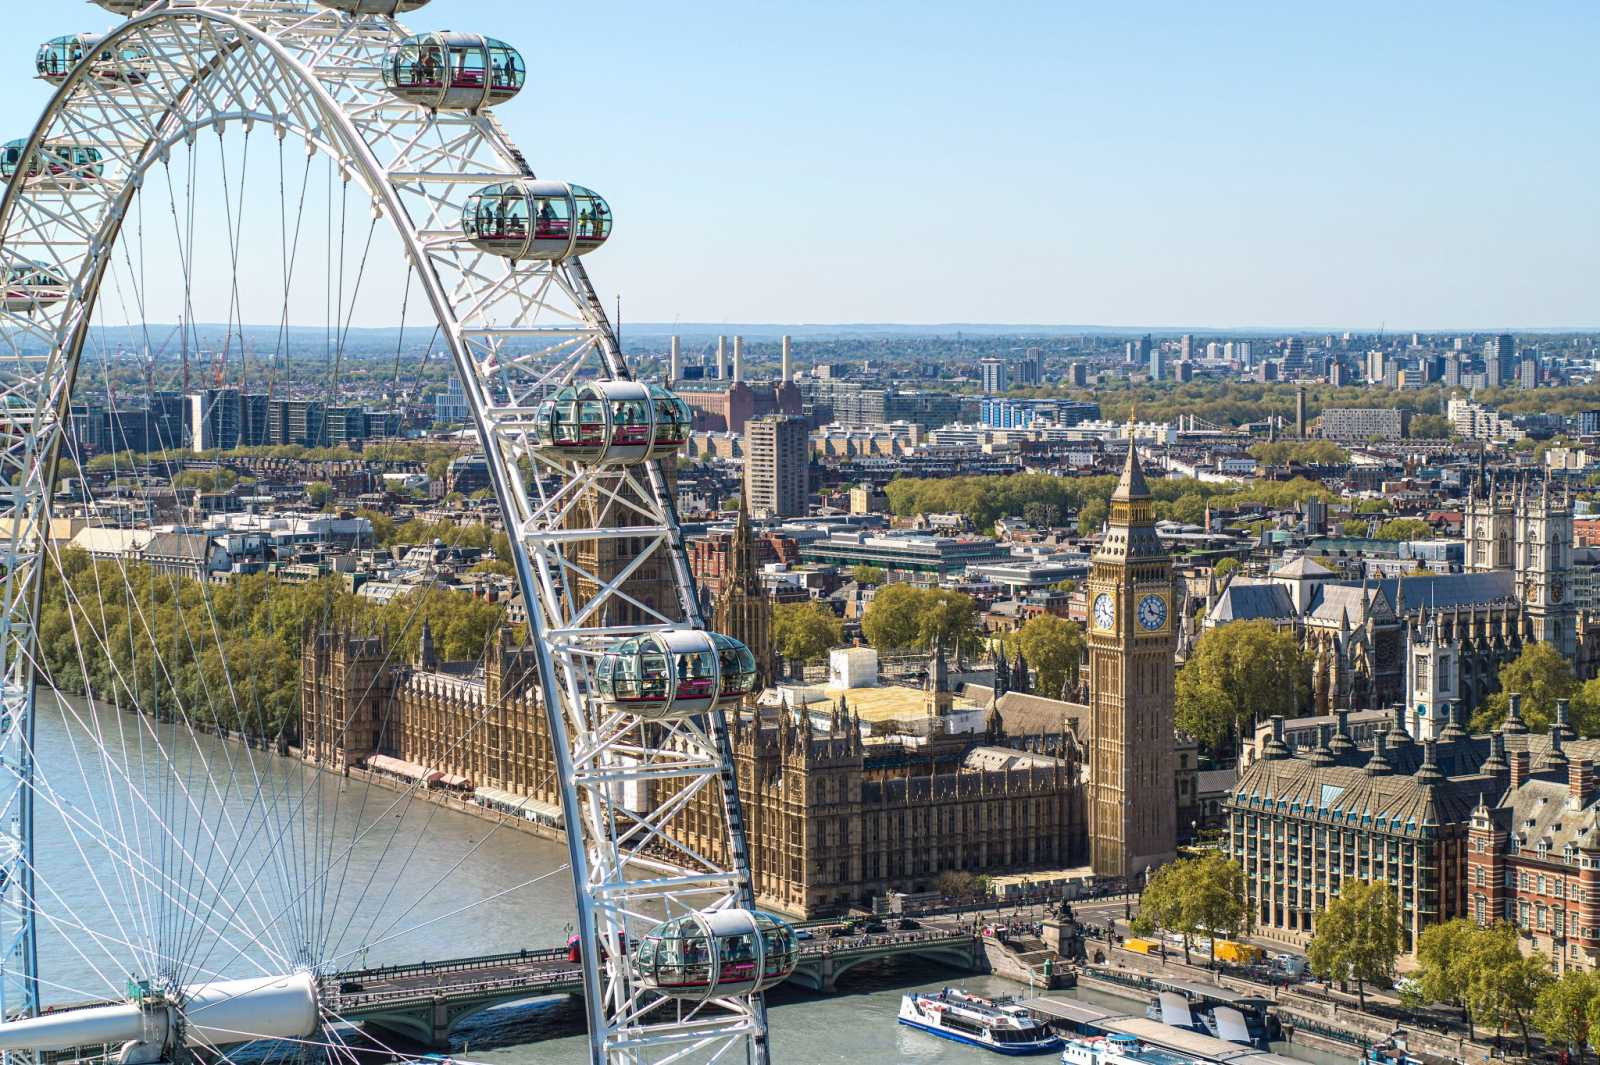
<point x="1246" y="167"/>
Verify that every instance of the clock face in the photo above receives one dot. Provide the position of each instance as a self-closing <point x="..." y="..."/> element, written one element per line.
<point x="1153" y="612"/>
<point x="1105" y="611"/>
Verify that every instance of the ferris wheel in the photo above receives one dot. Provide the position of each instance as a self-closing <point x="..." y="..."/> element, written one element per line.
<point x="220" y="912"/>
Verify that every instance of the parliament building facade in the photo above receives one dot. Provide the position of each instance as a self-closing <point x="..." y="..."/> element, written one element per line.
<point x="834" y="815"/>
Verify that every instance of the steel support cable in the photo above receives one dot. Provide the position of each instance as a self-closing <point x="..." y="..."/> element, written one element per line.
<point x="141" y="912"/>
<point x="122" y="772"/>
<point x="186" y="251"/>
<point x="170" y="839"/>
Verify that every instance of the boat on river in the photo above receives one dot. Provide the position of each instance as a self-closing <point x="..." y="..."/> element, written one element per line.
<point x="1118" y="1049"/>
<point x="1002" y="1025"/>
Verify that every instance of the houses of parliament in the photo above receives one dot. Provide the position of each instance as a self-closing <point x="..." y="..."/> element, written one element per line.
<point x="835" y="815"/>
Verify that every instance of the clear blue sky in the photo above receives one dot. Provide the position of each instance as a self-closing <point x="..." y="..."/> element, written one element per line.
<point x="1229" y="164"/>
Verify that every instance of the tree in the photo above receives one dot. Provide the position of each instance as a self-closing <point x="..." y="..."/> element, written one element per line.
<point x="1053" y="647"/>
<point x="1355" y="529"/>
<point x="1216" y="893"/>
<point x="1542" y="675"/>
<point x="893" y="618"/>
<point x="902" y="617"/>
<point x="1193" y="896"/>
<point x="868" y="576"/>
<point x="1224" y="567"/>
<point x="319" y="494"/>
<point x="949" y="620"/>
<point x="1504" y="986"/>
<point x="1586" y="708"/>
<point x="1092" y="515"/>
<point x="1163" y="902"/>
<point x="1404" y="529"/>
<point x="1431" y="427"/>
<point x="1444" y="971"/>
<point x="1358" y="936"/>
<point x="1237" y="672"/>
<point x="1562" y="1008"/>
<point x="804" y="632"/>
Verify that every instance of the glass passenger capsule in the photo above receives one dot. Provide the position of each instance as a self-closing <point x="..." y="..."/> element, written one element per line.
<point x="613" y="422"/>
<point x="124" y="7"/>
<point x="680" y="673"/>
<point x="30" y="286"/>
<point x="124" y="64"/>
<point x="454" y="71"/>
<point x="373" y="7"/>
<point x="710" y="955"/>
<point x="69" y="166"/>
<point x="536" y="219"/>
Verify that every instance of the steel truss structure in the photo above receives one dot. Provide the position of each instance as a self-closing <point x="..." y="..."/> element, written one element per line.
<point x="516" y="331"/>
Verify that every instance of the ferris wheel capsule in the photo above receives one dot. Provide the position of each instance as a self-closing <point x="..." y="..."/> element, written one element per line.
<point x="124" y="7"/>
<point x="391" y="8"/>
<point x="665" y="675"/>
<point x="125" y="64"/>
<point x="531" y="219"/>
<point x="612" y="422"/>
<point x="702" y="955"/>
<point x="454" y="71"/>
<point x="30" y="286"/>
<point x="56" y="165"/>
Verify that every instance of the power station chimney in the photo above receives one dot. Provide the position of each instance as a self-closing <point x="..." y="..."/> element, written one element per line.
<point x="676" y="363"/>
<point x="788" y="361"/>
<point x="738" y="358"/>
<point x="722" y="358"/>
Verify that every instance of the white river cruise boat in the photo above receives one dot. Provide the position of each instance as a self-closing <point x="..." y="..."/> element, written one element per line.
<point x="1118" y="1049"/>
<point x="1000" y="1025"/>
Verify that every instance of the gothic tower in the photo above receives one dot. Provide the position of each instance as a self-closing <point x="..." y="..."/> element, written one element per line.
<point x="1133" y="810"/>
<point x="1544" y="566"/>
<point x="1489" y="522"/>
<point x="743" y="610"/>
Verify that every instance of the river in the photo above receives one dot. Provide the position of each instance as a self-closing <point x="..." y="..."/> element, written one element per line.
<point x="446" y="874"/>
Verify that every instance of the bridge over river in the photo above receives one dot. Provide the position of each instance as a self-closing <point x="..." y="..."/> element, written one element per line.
<point x="424" y="1002"/>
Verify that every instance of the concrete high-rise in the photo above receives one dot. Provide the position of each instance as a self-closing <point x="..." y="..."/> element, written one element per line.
<point x="995" y="378"/>
<point x="777" y="466"/>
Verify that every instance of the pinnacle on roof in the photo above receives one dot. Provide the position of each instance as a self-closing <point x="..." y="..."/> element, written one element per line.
<point x="1132" y="485"/>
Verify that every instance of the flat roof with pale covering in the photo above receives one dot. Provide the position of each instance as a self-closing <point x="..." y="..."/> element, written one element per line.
<point x="888" y="703"/>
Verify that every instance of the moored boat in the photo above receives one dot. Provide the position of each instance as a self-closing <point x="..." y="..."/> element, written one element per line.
<point x="1118" y="1049"/>
<point x="1001" y="1025"/>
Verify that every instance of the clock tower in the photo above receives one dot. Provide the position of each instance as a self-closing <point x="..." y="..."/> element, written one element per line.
<point x="1133" y="814"/>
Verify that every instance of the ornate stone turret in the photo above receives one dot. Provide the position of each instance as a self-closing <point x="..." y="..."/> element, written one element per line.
<point x="427" y="657"/>
<point x="743" y="610"/>
<point x="939" y="699"/>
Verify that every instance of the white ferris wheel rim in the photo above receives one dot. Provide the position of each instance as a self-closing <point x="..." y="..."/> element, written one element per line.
<point x="311" y="51"/>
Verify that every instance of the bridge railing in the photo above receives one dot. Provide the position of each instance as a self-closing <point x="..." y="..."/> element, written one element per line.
<point x="454" y="965"/>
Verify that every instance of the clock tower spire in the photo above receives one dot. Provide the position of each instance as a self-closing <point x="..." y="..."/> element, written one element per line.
<point x="1132" y="641"/>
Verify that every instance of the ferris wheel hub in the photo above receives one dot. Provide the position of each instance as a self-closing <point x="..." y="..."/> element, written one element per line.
<point x="215" y="1014"/>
